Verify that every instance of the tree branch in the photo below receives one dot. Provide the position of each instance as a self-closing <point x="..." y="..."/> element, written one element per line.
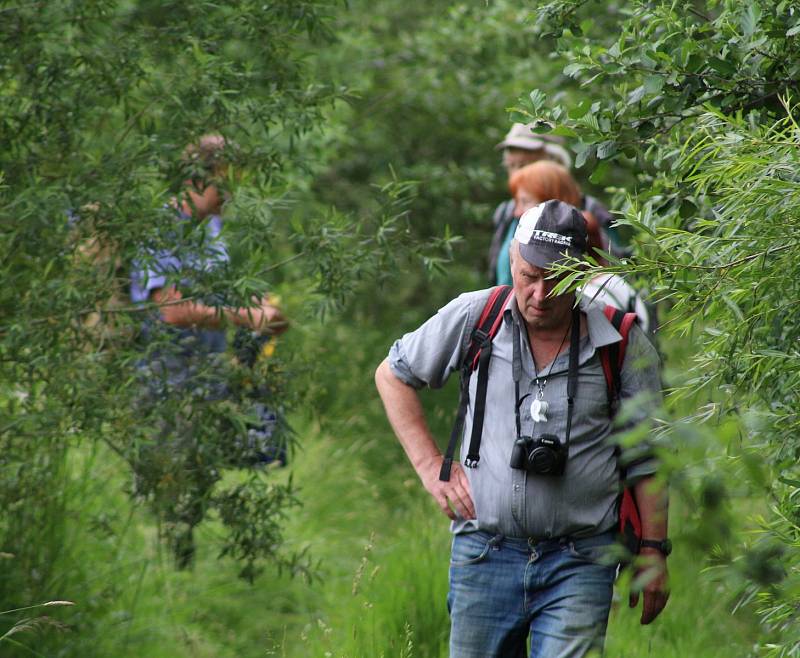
<point x="140" y="308"/>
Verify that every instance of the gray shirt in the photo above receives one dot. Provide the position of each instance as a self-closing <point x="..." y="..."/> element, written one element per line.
<point x="513" y="502"/>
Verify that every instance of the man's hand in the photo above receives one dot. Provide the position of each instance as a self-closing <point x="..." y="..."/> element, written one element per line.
<point x="652" y="570"/>
<point x="453" y="497"/>
<point x="404" y="411"/>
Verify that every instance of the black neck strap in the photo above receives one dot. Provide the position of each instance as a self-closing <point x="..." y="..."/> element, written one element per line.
<point x="572" y="375"/>
<point x="516" y="372"/>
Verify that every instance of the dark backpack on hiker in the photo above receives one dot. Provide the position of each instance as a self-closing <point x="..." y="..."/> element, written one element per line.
<point x="477" y="357"/>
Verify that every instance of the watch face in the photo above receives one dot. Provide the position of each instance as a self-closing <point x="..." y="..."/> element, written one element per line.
<point x="666" y="546"/>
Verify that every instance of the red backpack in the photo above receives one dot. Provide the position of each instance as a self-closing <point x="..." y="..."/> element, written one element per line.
<point x="477" y="357"/>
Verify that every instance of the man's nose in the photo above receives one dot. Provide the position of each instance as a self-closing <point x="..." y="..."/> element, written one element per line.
<point x="540" y="290"/>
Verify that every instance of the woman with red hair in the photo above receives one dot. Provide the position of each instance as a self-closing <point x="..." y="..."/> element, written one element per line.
<point x="545" y="180"/>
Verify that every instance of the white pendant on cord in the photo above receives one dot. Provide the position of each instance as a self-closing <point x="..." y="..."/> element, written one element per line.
<point x="539" y="410"/>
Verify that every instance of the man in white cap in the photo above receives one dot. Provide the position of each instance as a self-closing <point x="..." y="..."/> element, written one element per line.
<point x="521" y="146"/>
<point x="534" y="515"/>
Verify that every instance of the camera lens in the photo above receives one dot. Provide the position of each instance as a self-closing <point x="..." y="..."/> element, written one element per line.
<point x="542" y="460"/>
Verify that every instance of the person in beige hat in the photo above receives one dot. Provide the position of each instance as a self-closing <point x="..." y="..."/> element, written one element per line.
<point x="521" y="146"/>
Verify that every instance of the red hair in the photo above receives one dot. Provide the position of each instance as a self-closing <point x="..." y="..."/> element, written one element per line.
<point x="546" y="180"/>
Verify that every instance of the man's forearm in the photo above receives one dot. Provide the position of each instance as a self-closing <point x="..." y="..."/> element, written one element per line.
<point x="406" y="416"/>
<point x="266" y="318"/>
<point x="652" y="499"/>
<point x="195" y="314"/>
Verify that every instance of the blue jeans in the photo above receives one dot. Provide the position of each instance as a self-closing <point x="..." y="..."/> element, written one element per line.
<point x="502" y="589"/>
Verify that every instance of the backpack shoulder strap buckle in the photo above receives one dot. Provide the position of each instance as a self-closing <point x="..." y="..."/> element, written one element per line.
<point x="481" y="337"/>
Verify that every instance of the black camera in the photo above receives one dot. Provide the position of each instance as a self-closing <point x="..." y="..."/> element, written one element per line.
<point x="544" y="455"/>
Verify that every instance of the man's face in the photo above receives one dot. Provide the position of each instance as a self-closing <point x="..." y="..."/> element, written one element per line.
<point x="514" y="159"/>
<point x="532" y="288"/>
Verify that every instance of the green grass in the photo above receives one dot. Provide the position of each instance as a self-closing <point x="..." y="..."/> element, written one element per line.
<point x="380" y="588"/>
<point x="381" y="545"/>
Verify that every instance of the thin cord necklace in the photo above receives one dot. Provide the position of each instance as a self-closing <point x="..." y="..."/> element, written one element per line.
<point x="540" y="406"/>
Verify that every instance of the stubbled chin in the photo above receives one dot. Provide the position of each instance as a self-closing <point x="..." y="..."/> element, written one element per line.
<point x="539" y="318"/>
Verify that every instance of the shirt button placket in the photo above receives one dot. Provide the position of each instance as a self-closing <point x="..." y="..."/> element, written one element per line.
<point x="518" y="495"/>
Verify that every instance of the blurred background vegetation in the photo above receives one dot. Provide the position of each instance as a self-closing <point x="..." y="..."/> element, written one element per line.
<point x="362" y="191"/>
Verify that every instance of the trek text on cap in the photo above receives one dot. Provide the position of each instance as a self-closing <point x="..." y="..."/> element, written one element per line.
<point x="551" y="232"/>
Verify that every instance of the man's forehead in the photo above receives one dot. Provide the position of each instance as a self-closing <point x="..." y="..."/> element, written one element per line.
<point x="529" y="268"/>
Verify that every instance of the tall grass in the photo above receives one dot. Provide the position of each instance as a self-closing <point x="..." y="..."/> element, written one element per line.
<point x="42" y="540"/>
<point x="381" y="546"/>
<point x="394" y="603"/>
<point x="380" y="587"/>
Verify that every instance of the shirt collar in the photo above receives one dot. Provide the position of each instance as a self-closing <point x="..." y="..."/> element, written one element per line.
<point x="601" y="331"/>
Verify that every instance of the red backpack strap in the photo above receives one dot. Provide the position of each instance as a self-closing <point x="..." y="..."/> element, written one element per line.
<point x="488" y="324"/>
<point x="624" y="330"/>
<point x="612" y="357"/>
<point x="630" y="522"/>
<point x="479" y="352"/>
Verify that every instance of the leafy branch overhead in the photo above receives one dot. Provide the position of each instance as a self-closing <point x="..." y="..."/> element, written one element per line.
<point x="699" y="101"/>
<point x="98" y="102"/>
<point x="649" y="67"/>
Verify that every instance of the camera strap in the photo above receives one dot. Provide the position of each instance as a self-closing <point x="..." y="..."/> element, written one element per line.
<point x="572" y="374"/>
<point x="516" y="373"/>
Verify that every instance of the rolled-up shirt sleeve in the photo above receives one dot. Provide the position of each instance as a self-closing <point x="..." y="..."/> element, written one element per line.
<point x="427" y="356"/>
<point x="149" y="274"/>
<point x="641" y="398"/>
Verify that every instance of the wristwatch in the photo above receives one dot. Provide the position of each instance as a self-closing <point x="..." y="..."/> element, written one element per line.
<point x="663" y="545"/>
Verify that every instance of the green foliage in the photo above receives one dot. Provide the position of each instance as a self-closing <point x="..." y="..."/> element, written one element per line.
<point x="360" y="147"/>
<point x="98" y="101"/>
<point x="431" y="85"/>
<point x="698" y="98"/>
<point x="662" y="66"/>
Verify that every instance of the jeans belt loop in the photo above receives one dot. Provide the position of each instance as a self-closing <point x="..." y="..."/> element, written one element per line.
<point x="496" y="541"/>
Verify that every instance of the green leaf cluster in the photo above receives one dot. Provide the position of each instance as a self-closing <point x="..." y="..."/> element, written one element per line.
<point x="98" y="101"/>
<point x="698" y="101"/>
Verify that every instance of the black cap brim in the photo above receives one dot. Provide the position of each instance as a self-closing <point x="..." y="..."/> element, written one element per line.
<point x="546" y="256"/>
